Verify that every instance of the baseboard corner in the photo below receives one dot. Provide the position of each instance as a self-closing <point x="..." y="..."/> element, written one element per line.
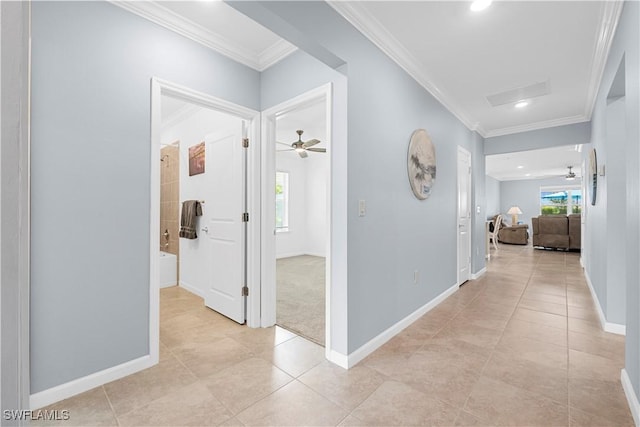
<point x="631" y="396"/>
<point x="614" y="328"/>
<point x="80" y="385"/>
<point x="339" y="359"/>
<point x="190" y="288"/>
<point x="376" y="342"/>
<point x="475" y="276"/>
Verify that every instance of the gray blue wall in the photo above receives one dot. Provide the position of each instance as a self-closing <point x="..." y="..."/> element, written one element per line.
<point x="608" y="144"/>
<point x="92" y="67"/>
<point x="526" y="195"/>
<point x="492" y="196"/>
<point x="578" y="133"/>
<point x="399" y="234"/>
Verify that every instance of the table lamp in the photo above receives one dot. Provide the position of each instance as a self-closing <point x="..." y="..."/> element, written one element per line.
<point x="514" y="211"/>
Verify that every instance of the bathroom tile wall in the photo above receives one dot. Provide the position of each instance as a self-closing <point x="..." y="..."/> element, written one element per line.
<point x="169" y="198"/>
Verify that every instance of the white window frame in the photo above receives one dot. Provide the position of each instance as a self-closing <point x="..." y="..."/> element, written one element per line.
<point x="568" y="189"/>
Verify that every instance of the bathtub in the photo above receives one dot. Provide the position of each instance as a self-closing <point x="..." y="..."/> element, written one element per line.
<point x="168" y="270"/>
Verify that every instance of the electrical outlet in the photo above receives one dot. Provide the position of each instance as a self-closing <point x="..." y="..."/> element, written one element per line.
<point x="416" y="276"/>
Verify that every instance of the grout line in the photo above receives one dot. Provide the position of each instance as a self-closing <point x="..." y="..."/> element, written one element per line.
<point x="113" y="411"/>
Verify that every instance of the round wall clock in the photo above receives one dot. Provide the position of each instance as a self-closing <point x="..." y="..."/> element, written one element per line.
<point x="593" y="175"/>
<point x="421" y="164"/>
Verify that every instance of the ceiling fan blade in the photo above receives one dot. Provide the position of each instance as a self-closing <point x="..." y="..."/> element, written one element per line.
<point x="303" y="154"/>
<point x="311" y="142"/>
<point x="290" y="149"/>
<point x="283" y="143"/>
<point x="317" y="150"/>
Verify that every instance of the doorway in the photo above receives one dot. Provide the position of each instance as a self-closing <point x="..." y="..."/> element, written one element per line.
<point x="296" y="215"/>
<point x="217" y="252"/>
<point x="464" y="215"/>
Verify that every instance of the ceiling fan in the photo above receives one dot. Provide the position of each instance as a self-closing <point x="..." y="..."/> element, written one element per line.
<point x="571" y="175"/>
<point x="301" y="147"/>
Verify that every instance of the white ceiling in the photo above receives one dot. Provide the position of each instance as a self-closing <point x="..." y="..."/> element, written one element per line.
<point x="462" y="56"/>
<point x="217" y="26"/>
<point x="544" y="163"/>
<point x="311" y="119"/>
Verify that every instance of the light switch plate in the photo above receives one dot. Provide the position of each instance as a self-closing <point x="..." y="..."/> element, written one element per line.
<point x="362" y="208"/>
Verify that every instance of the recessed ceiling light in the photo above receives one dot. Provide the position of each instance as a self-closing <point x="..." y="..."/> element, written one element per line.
<point x="527" y="174"/>
<point x="520" y="167"/>
<point x="479" y="5"/>
<point x="521" y="104"/>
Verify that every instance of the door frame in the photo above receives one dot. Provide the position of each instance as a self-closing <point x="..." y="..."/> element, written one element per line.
<point x="161" y="87"/>
<point x="464" y="152"/>
<point x="268" y="158"/>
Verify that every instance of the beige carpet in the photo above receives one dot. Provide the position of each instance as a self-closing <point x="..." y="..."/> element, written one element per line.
<point x="300" y="296"/>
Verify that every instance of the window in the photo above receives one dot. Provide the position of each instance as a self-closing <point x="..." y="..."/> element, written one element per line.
<point x="560" y="200"/>
<point x="282" y="201"/>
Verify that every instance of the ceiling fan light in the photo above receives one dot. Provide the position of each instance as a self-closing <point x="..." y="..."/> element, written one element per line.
<point x="299" y="149"/>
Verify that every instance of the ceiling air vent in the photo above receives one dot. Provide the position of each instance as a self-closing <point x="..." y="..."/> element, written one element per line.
<point x="514" y="95"/>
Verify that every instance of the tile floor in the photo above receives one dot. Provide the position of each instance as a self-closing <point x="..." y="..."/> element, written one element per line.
<point x="520" y="346"/>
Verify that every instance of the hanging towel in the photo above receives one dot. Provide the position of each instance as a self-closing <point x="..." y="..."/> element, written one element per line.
<point x="190" y="210"/>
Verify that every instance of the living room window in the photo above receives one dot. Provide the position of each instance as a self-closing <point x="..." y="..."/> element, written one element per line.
<point x="560" y="200"/>
<point x="282" y="201"/>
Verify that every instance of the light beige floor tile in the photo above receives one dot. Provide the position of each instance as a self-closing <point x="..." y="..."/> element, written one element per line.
<point x="295" y="356"/>
<point x="396" y="404"/>
<point x="192" y="405"/>
<point x="261" y="339"/>
<point x="537" y="378"/>
<point x="531" y="294"/>
<point x="537" y="331"/>
<point x="585" y="326"/>
<point x="535" y="351"/>
<point x="505" y="404"/>
<point x="586" y="313"/>
<point x="578" y="418"/>
<point x="242" y="385"/>
<point x="591" y="366"/>
<point x="90" y="408"/>
<point x="611" y="347"/>
<point x="477" y="335"/>
<point x="346" y="388"/>
<point x="233" y="422"/>
<point x="293" y="405"/>
<point x="139" y="389"/>
<point x="466" y="419"/>
<point x="547" y="307"/>
<point x="206" y="359"/>
<point x="604" y="399"/>
<point x="200" y="335"/>
<point x="548" y="319"/>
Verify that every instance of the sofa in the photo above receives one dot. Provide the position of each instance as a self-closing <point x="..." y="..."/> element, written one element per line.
<point x="557" y="231"/>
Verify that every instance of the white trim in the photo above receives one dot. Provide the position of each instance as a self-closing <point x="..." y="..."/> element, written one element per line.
<point x="632" y="398"/>
<point x="179" y="116"/>
<point x="268" y="256"/>
<point x="375" y="343"/>
<point x="608" y="24"/>
<point x="167" y="18"/>
<point x="562" y="121"/>
<point x="339" y="359"/>
<point x="477" y="275"/>
<point x="72" y="388"/>
<point x="614" y="328"/>
<point x="464" y="152"/>
<point x="163" y="87"/>
<point x="193" y="289"/>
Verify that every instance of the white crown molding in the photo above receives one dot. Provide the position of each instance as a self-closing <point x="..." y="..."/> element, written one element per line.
<point x="166" y="18"/>
<point x="538" y="125"/>
<point x="275" y="53"/>
<point x="608" y="24"/>
<point x="367" y="24"/>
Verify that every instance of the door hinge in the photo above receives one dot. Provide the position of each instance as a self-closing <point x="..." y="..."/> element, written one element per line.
<point x="245" y="291"/>
<point x="245" y="217"/>
<point x="245" y="142"/>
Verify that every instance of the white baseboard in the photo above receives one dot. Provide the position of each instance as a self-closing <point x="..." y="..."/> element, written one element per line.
<point x="194" y="290"/>
<point x="80" y="385"/>
<point x="477" y="275"/>
<point x="632" y="398"/>
<point x="337" y="358"/>
<point x="371" y="346"/>
<point x="614" y="328"/>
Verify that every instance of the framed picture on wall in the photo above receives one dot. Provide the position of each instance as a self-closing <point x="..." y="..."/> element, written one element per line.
<point x="196" y="159"/>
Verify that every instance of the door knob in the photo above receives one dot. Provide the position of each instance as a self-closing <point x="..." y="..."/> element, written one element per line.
<point x="205" y="229"/>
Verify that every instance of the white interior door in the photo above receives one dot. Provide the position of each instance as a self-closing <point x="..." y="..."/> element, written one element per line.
<point x="223" y="224"/>
<point x="464" y="215"/>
